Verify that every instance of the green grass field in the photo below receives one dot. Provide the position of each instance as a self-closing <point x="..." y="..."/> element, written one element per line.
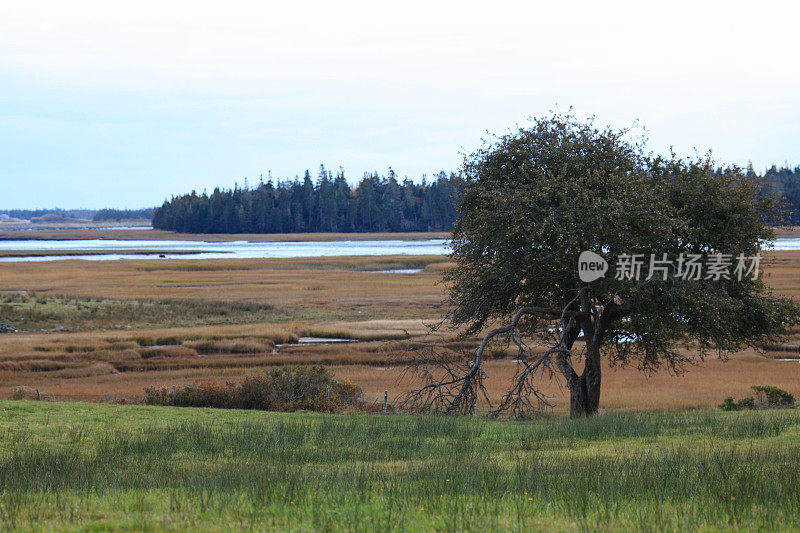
<point x="94" y="467"/>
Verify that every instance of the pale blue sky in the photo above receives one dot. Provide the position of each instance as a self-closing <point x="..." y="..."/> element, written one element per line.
<point x="104" y="104"/>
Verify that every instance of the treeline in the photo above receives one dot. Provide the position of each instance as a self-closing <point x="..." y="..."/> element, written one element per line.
<point x="28" y="214"/>
<point x="94" y="215"/>
<point x="784" y="181"/>
<point x="326" y="204"/>
<point x="329" y="204"/>
<point x="123" y="214"/>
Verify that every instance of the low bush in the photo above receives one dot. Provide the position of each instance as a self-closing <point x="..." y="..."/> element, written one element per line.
<point x="732" y="405"/>
<point x="22" y="392"/>
<point x="284" y="389"/>
<point x="773" y="396"/>
<point x="769" y="397"/>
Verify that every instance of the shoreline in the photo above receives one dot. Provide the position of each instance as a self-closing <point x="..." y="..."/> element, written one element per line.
<point x="128" y="234"/>
<point x="154" y="234"/>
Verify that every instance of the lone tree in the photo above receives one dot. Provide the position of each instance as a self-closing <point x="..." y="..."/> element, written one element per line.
<point x="535" y="199"/>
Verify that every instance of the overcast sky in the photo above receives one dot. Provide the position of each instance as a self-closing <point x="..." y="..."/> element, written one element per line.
<point x="112" y="104"/>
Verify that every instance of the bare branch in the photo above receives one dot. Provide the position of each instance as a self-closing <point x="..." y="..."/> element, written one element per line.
<point x="452" y="386"/>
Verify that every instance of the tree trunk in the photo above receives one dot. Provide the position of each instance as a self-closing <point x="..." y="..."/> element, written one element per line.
<point x="584" y="392"/>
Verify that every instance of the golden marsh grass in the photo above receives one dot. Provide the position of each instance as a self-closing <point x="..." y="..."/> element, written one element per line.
<point x="169" y="322"/>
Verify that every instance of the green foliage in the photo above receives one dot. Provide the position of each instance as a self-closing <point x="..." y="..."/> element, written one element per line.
<point x="58" y="214"/>
<point x="769" y="397"/>
<point x="93" y="467"/>
<point x="747" y="403"/>
<point x="783" y="182"/>
<point x="284" y="389"/>
<point x="773" y="396"/>
<point x="534" y="199"/>
<point x="329" y="205"/>
<point x="123" y="214"/>
<point x="729" y="404"/>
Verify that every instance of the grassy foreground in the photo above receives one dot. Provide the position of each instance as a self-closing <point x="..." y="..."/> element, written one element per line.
<point x="94" y="467"/>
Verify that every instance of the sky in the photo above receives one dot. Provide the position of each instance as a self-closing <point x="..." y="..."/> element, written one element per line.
<point x="124" y="104"/>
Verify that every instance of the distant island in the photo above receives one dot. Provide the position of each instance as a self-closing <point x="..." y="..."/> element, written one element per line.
<point x="329" y="204"/>
<point x="74" y="219"/>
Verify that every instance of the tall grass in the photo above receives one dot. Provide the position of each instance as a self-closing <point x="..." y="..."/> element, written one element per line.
<point x="29" y="311"/>
<point x="355" y="472"/>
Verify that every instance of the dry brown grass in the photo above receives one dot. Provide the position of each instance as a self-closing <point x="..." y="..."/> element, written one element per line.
<point x="703" y="386"/>
<point x="788" y="232"/>
<point x="323" y="288"/>
<point x="166" y="351"/>
<point x="326" y="297"/>
<point x="231" y="346"/>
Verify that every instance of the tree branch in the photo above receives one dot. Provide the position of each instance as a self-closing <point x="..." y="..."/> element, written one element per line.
<point x="451" y="388"/>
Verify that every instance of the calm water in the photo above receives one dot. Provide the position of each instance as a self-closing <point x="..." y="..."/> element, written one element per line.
<point x="238" y="249"/>
<point x="217" y="250"/>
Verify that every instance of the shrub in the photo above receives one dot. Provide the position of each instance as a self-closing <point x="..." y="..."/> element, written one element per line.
<point x="283" y="389"/>
<point x="773" y="396"/>
<point x="747" y="403"/>
<point x="732" y="405"/>
<point x="22" y="392"/>
<point x="768" y="397"/>
<point x="728" y="404"/>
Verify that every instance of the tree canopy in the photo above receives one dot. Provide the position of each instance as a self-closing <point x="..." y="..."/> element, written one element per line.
<point x="535" y="199"/>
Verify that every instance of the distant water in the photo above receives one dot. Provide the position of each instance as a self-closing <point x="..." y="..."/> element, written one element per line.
<point x="787" y="244"/>
<point x="112" y="249"/>
<point x="216" y="250"/>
